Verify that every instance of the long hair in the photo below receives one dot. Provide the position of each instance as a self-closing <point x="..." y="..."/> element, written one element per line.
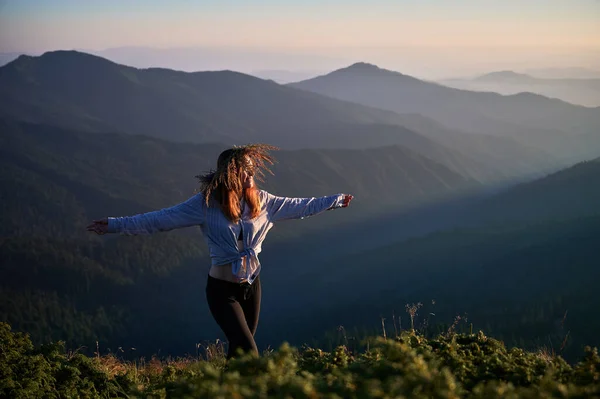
<point x="225" y="184"/>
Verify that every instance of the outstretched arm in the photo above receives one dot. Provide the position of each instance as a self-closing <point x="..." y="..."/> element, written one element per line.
<point x="185" y="214"/>
<point x="281" y="208"/>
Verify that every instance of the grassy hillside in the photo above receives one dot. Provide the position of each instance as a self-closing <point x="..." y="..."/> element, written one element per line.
<point x="406" y="365"/>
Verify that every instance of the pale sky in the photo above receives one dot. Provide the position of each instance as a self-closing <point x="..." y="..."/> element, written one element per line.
<point x="529" y="32"/>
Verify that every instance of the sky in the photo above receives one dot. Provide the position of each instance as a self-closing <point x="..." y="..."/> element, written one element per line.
<point x="435" y="35"/>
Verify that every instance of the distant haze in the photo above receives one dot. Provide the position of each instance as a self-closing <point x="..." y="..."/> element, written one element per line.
<point x="582" y="88"/>
<point x="433" y="40"/>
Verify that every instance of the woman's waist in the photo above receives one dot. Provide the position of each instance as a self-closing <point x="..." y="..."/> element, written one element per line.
<point x="224" y="272"/>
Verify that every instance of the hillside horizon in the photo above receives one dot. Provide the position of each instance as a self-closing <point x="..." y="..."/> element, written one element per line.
<point x="61" y="162"/>
<point x="84" y="137"/>
<point x="221" y="106"/>
<point x="374" y="200"/>
<point x="356" y="66"/>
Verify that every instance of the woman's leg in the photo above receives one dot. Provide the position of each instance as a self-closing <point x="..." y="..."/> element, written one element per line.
<point x="251" y="305"/>
<point x="222" y="298"/>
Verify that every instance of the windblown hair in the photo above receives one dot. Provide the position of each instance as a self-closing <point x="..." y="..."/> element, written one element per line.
<point x="225" y="184"/>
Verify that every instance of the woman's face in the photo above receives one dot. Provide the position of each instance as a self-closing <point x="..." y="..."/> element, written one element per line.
<point x="247" y="175"/>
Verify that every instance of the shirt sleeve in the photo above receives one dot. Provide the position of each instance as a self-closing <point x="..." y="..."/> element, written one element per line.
<point x="282" y="208"/>
<point x="185" y="214"/>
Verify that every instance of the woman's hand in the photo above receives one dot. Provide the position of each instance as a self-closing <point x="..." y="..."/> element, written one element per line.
<point x="99" y="226"/>
<point x="347" y="200"/>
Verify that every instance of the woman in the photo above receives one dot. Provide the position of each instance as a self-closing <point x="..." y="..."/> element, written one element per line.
<point x="234" y="216"/>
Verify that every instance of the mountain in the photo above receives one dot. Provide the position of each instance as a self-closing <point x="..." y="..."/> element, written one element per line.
<point x="118" y="167"/>
<point x="576" y="91"/>
<point x="504" y="76"/>
<point x="514" y="262"/>
<point x="570" y="193"/>
<point x="82" y="138"/>
<point x="519" y="281"/>
<point x="60" y="282"/>
<point x="564" y="73"/>
<point x="84" y="92"/>
<point x="529" y="118"/>
<point x="5" y="58"/>
<point x="507" y="156"/>
<point x="368" y="84"/>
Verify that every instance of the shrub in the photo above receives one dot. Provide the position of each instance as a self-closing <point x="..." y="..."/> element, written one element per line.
<point x="449" y="366"/>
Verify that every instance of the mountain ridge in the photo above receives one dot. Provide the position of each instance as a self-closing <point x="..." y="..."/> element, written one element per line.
<point x="376" y="71"/>
<point x="85" y="92"/>
<point x="504" y="75"/>
<point x="529" y="118"/>
<point x="577" y="91"/>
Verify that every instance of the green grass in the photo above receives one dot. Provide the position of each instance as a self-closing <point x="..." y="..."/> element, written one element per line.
<point x="409" y="365"/>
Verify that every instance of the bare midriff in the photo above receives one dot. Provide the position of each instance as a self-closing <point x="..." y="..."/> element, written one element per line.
<point x="223" y="272"/>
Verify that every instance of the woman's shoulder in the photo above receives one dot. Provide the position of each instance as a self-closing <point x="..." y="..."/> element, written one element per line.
<point x="263" y="194"/>
<point x="199" y="197"/>
<point x="265" y="198"/>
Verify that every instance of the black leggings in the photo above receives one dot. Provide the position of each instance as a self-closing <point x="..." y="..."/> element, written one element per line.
<point x="235" y="308"/>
